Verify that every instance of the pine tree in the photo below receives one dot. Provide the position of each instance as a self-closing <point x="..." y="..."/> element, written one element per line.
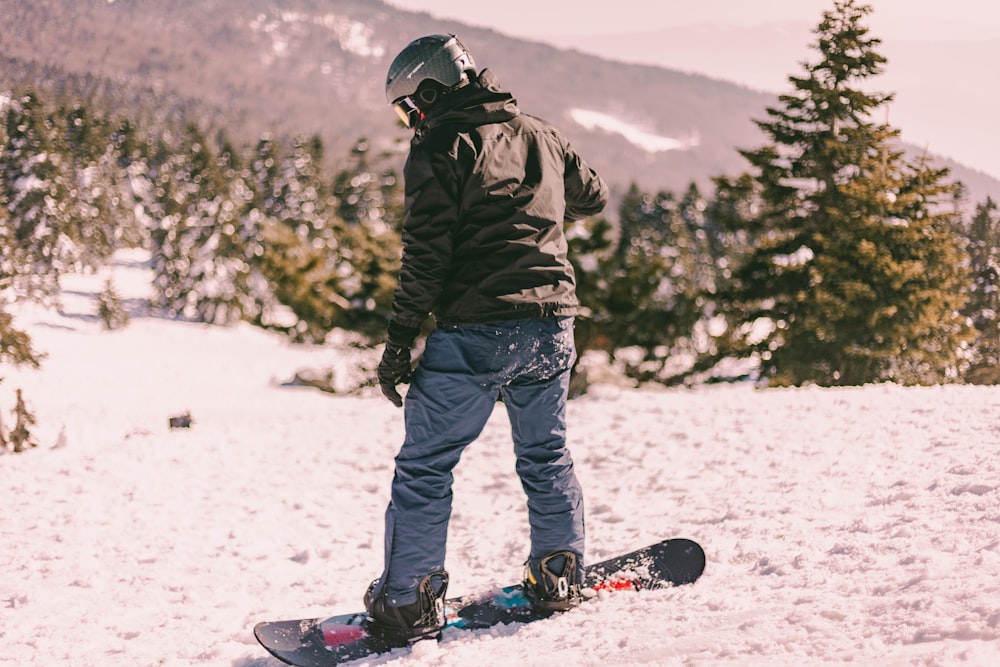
<point x="983" y="307"/>
<point x="264" y="177"/>
<point x="300" y="194"/>
<point x="650" y="298"/>
<point x="367" y="250"/>
<point x="219" y="279"/>
<point x="20" y="436"/>
<point x="172" y="193"/>
<point x="300" y="277"/>
<point x="110" y="308"/>
<point x="89" y="233"/>
<point x="853" y="268"/>
<point x="329" y="251"/>
<point x="298" y="234"/>
<point x="187" y="236"/>
<point x="15" y="345"/>
<point x="4" y="443"/>
<point x="618" y="272"/>
<point x="32" y="192"/>
<point x="126" y="167"/>
<point x="590" y="243"/>
<point x="646" y="288"/>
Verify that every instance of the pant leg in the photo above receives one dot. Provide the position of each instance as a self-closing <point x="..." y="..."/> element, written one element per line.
<point x="536" y="403"/>
<point x="447" y="405"/>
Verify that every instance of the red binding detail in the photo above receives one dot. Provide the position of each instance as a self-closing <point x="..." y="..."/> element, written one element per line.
<point x="616" y="585"/>
<point x="337" y="635"/>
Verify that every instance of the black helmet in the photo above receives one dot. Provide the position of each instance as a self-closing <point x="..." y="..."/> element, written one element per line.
<point x="426" y="68"/>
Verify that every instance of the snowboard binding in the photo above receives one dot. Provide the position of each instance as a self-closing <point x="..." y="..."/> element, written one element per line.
<point x="552" y="582"/>
<point x="410" y="622"/>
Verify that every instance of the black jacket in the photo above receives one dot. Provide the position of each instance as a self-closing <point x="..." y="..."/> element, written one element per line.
<point x="488" y="189"/>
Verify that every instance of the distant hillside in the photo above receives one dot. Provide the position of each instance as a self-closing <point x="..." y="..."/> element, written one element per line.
<point x="318" y="66"/>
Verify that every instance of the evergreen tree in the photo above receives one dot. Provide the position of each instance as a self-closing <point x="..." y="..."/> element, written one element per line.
<point x="300" y="199"/>
<point x="57" y="193"/>
<point x="264" y="177"/>
<point x="367" y="251"/>
<point x="983" y="307"/>
<point x="15" y="345"/>
<point x="300" y="277"/>
<point x="590" y="243"/>
<point x="4" y="443"/>
<point x="199" y="254"/>
<point x="299" y="234"/>
<point x="241" y="245"/>
<point x="176" y="195"/>
<point x="127" y="169"/>
<point x="89" y="232"/>
<point x="853" y="268"/>
<point x="32" y="192"/>
<point x="20" y="436"/>
<point x="220" y="284"/>
<point x="110" y="308"/>
<point x="646" y="289"/>
<point x="330" y="251"/>
<point x="649" y="297"/>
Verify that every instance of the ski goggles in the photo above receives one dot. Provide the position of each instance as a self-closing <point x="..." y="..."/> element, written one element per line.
<point x="407" y="111"/>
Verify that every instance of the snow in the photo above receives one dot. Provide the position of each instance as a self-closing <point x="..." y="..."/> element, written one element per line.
<point x="841" y="525"/>
<point x="281" y="26"/>
<point x="644" y="139"/>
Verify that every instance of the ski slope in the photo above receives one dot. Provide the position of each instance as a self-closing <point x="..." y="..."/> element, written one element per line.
<point x="841" y="525"/>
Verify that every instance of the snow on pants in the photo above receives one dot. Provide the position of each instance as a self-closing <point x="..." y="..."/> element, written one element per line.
<point x="452" y="394"/>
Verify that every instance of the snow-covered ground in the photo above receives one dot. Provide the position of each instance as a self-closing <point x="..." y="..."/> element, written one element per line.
<point x="841" y="525"/>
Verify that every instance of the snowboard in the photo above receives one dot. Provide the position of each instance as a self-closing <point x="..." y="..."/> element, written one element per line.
<point x="326" y="642"/>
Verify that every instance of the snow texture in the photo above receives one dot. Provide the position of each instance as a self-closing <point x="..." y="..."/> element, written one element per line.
<point x="841" y="525"/>
<point x="644" y="139"/>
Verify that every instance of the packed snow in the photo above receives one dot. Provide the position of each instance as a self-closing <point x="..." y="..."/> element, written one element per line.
<point x="841" y="525"/>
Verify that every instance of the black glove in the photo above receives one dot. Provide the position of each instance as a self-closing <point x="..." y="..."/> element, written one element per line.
<point x="395" y="367"/>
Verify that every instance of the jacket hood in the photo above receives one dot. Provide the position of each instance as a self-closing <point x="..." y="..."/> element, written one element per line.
<point x="482" y="101"/>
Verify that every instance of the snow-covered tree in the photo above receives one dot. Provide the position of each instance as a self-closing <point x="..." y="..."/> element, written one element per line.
<point x="89" y="234"/>
<point x="330" y="249"/>
<point x="201" y="240"/>
<point x="367" y="250"/>
<point x="110" y="308"/>
<point x="35" y="199"/>
<point x="291" y="208"/>
<point x="61" y="171"/>
<point x="644" y="287"/>
<point x="127" y="169"/>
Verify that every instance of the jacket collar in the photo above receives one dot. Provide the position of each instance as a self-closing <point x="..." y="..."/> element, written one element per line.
<point x="481" y="102"/>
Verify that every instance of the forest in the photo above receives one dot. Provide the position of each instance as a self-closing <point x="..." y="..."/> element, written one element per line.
<point x="834" y="259"/>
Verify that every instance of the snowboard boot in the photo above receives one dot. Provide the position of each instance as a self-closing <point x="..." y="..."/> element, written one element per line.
<point x="552" y="582"/>
<point x="410" y="622"/>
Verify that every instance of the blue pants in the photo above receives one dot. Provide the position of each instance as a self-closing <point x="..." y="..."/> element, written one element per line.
<point x="452" y="395"/>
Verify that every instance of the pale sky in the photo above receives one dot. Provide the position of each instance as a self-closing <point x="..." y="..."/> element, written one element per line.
<point x="943" y="54"/>
<point x="539" y="18"/>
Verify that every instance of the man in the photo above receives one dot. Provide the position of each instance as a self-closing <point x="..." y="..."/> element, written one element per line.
<point x="488" y="189"/>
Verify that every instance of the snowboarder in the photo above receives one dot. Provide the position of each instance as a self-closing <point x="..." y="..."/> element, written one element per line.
<point x="487" y="190"/>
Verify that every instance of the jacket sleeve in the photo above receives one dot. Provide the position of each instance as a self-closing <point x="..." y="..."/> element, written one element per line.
<point x="586" y="193"/>
<point x="431" y="215"/>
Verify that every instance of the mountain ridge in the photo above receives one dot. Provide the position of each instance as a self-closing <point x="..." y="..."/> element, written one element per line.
<point x="318" y="67"/>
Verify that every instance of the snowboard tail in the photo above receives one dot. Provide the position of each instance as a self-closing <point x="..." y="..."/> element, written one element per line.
<point x="327" y="642"/>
